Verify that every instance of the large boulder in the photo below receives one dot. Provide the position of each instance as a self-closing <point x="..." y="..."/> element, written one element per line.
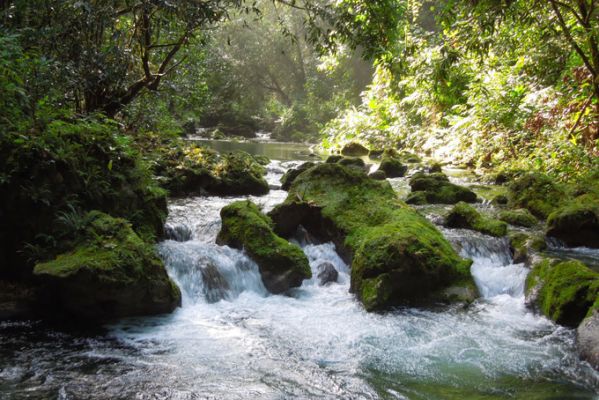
<point x="467" y="217"/>
<point x="238" y="173"/>
<point x="518" y="217"/>
<point x="354" y="149"/>
<point x="577" y="223"/>
<point x="536" y="192"/>
<point x="397" y="257"/>
<point x="109" y="273"/>
<point x="289" y="176"/>
<point x="436" y="189"/>
<point x="282" y="265"/>
<point x="327" y="274"/>
<point x="587" y="336"/>
<point x="564" y="291"/>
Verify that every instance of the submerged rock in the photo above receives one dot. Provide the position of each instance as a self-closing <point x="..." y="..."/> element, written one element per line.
<point x="535" y="192"/>
<point x="215" y="285"/>
<point x="354" y="149"/>
<point x="577" y="223"/>
<point x="436" y="189"/>
<point x="327" y="274"/>
<point x="282" y="265"/>
<point x="587" y="336"/>
<point x="396" y="255"/>
<point x="289" y="176"/>
<point x="564" y="291"/>
<point x="179" y="232"/>
<point x="110" y="273"/>
<point x="467" y="217"/>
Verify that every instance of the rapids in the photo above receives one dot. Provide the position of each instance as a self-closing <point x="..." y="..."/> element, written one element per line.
<point x="232" y="340"/>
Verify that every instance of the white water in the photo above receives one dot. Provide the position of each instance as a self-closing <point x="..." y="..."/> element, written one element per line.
<point x="318" y="342"/>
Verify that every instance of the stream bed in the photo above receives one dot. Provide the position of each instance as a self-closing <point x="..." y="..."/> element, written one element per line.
<point x="232" y="340"/>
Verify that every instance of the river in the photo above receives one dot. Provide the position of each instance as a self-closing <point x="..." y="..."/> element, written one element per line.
<point x="232" y="340"/>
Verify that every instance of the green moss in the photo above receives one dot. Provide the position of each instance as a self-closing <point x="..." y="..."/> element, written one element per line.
<point x="289" y="176"/>
<point x="282" y="265"/>
<point x="261" y="159"/>
<point x="378" y="175"/>
<point x="354" y="149"/>
<point x="398" y="256"/>
<point x="565" y="291"/>
<point x="519" y="217"/>
<point x="466" y="217"/>
<point x="333" y="159"/>
<point x="577" y="222"/>
<point x="438" y="190"/>
<point x="353" y="162"/>
<point x="536" y="192"/>
<point x="392" y="167"/>
<point x="111" y="272"/>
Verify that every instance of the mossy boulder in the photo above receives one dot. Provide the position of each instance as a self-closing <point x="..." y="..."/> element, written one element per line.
<point x="110" y="273"/>
<point x="397" y="256"/>
<point x="333" y="159"/>
<point x="289" y="176"/>
<point x="238" y="173"/>
<point x="436" y="189"/>
<point x="536" y="192"/>
<point x="282" y="265"/>
<point x="518" y="217"/>
<point x="467" y="217"/>
<point x="564" y="291"/>
<point x="353" y="163"/>
<point x="576" y="223"/>
<point x="378" y="175"/>
<point x="524" y="246"/>
<point x="375" y="153"/>
<point x="435" y="168"/>
<point x="354" y="149"/>
<point x="392" y="167"/>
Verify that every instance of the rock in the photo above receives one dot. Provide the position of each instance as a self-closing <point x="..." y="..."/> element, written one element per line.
<point x="290" y="175"/>
<point x="564" y="291"/>
<point x="282" y="265"/>
<point x="577" y="223"/>
<point x="353" y="162"/>
<point x="261" y="159"/>
<point x="378" y="175"/>
<point x="500" y="200"/>
<point x="375" y="153"/>
<point x="327" y="274"/>
<point x="179" y="232"/>
<point x="435" y="167"/>
<point x="238" y="174"/>
<point x="397" y="257"/>
<point x="410" y="158"/>
<point x="519" y="217"/>
<point x="525" y="247"/>
<point x="354" y="149"/>
<point x="392" y="167"/>
<point x="110" y="273"/>
<point x="535" y="192"/>
<point x="333" y="159"/>
<point x="587" y="336"/>
<point x="466" y="217"/>
<point x="216" y="287"/>
<point x="436" y="189"/>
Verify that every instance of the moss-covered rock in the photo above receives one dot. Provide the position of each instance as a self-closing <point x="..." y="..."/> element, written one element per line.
<point x="289" y="176"/>
<point x="536" y="192"/>
<point x="525" y="246"/>
<point x="392" y="167"/>
<point x="499" y="200"/>
<point x="375" y="153"/>
<point x="396" y="255"/>
<point x="576" y="223"/>
<point x="436" y="189"/>
<point x="378" y="175"/>
<point x="467" y="217"/>
<point x="564" y="291"/>
<point x="435" y="168"/>
<point x="518" y="217"/>
<point x="282" y="265"/>
<point x="109" y="273"/>
<point x="354" y="149"/>
<point x="353" y="162"/>
<point x="196" y="170"/>
<point x="333" y="159"/>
